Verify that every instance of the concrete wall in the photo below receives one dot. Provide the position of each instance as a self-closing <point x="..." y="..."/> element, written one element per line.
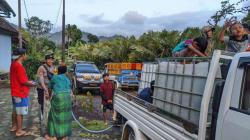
<point x="5" y="53"/>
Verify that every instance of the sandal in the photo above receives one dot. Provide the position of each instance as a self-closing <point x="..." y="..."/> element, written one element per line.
<point x="13" y="129"/>
<point x="23" y="133"/>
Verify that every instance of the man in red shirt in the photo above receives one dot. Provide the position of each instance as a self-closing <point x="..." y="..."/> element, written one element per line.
<point x="107" y="92"/>
<point x="19" y="85"/>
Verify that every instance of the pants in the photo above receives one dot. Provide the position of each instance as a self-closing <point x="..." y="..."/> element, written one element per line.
<point x="40" y="97"/>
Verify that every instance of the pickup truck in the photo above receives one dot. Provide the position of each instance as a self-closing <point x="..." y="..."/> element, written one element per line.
<point x="194" y="99"/>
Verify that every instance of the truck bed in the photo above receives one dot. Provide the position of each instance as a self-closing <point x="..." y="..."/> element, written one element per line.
<point x="152" y="123"/>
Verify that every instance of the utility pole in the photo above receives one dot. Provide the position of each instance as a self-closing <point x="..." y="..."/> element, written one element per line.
<point x="63" y="32"/>
<point x="19" y="24"/>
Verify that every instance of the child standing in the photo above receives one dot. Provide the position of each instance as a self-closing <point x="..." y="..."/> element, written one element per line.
<point x="238" y="41"/>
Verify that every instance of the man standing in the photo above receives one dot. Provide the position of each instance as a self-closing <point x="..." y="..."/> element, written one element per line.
<point x="45" y="73"/>
<point x="207" y="33"/>
<point x="19" y="85"/>
<point x="107" y="92"/>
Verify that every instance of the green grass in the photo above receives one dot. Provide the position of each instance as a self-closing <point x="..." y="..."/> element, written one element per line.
<point x="91" y="125"/>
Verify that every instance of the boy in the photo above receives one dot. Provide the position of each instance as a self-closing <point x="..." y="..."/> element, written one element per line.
<point x="190" y="48"/>
<point x="238" y="41"/>
<point x="107" y="89"/>
<point x="19" y="85"/>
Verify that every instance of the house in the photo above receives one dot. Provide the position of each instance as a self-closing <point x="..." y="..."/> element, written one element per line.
<point x="8" y="36"/>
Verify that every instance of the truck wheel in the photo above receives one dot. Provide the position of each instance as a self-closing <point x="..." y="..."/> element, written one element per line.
<point x="131" y="134"/>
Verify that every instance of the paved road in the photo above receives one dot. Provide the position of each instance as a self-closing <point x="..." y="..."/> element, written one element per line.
<point x="31" y="121"/>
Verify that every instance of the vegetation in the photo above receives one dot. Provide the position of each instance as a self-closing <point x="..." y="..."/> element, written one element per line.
<point x="147" y="47"/>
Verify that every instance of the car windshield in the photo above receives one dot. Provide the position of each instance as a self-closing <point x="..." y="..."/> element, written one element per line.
<point x="87" y="68"/>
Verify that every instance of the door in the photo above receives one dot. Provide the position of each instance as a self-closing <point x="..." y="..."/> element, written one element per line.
<point x="236" y="124"/>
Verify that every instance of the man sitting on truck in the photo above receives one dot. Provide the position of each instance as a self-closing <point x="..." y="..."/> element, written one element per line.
<point x="147" y="93"/>
<point x="107" y="92"/>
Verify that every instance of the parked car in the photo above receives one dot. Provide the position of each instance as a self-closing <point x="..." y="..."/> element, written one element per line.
<point x="85" y="76"/>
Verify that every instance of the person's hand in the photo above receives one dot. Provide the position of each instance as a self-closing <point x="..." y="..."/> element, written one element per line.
<point x="46" y="94"/>
<point x="110" y="101"/>
<point x="248" y="49"/>
<point x="227" y="24"/>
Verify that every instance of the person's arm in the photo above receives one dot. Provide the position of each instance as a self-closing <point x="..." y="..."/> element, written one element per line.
<point x="23" y="78"/>
<point x="197" y="52"/>
<point x="222" y="32"/>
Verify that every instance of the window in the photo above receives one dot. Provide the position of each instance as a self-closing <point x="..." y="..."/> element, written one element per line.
<point x="245" y="95"/>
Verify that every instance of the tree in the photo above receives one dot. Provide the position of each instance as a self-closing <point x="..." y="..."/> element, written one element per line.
<point x="38" y="27"/>
<point x="247" y="18"/>
<point x="73" y="34"/>
<point x="92" y="38"/>
<point x="228" y="9"/>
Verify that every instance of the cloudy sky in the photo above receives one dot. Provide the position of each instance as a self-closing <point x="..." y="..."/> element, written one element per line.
<point x="126" y="17"/>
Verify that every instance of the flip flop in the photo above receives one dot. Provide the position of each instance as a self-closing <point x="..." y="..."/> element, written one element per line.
<point x="12" y="129"/>
<point x="23" y="133"/>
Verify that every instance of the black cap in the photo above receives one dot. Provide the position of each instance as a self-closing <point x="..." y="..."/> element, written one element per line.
<point x="49" y="56"/>
<point x="18" y="52"/>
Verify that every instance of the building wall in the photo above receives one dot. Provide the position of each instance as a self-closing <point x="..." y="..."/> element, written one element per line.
<point x="5" y="53"/>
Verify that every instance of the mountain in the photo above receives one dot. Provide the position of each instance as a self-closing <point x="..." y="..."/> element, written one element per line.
<point x="57" y="37"/>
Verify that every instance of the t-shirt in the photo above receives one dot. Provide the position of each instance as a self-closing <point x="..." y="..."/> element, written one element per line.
<point x="146" y="95"/>
<point x="107" y="89"/>
<point x="235" y="45"/>
<point x="18" y="78"/>
<point x="60" y="84"/>
<point x="182" y="45"/>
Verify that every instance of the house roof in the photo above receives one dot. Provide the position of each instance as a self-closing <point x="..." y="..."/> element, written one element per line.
<point x="5" y="9"/>
<point x="7" y="27"/>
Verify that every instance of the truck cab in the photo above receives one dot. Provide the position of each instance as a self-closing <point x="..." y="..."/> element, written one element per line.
<point x="194" y="98"/>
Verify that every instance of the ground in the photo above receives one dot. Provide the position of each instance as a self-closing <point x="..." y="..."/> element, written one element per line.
<point x="31" y="121"/>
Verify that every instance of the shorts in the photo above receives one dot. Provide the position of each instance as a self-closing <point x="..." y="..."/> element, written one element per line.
<point x="107" y="106"/>
<point x="20" y="105"/>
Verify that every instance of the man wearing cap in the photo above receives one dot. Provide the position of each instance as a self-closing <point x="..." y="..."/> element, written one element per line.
<point x="45" y="73"/>
<point x="107" y="89"/>
<point x="19" y="85"/>
<point x="207" y="33"/>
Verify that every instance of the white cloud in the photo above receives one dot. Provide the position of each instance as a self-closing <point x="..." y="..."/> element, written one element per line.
<point x="134" y="23"/>
<point x="97" y="20"/>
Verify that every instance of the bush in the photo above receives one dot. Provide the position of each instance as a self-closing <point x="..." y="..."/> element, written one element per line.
<point x="31" y="65"/>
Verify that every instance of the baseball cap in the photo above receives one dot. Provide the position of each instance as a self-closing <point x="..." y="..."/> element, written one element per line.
<point x="49" y="56"/>
<point x="18" y="52"/>
<point x="208" y="28"/>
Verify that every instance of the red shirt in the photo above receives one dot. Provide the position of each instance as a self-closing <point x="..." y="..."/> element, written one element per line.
<point x="107" y="88"/>
<point x="18" y="78"/>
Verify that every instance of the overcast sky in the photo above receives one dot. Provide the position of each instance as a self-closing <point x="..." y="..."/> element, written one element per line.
<point x="126" y="17"/>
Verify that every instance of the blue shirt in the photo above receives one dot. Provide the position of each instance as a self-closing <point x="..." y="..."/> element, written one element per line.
<point x="146" y="95"/>
<point x="182" y="45"/>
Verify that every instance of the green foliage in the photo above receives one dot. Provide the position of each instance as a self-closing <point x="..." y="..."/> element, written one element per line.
<point x="73" y="34"/>
<point x="92" y="38"/>
<point x="31" y="65"/>
<point x="37" y="26"/>
<point x="228" y="9"/>
<point x="247" y="18"/>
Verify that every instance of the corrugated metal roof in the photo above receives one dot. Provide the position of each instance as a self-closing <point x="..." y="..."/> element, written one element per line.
<point x="6" y="26"/>
<point x="5" y="9"/>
